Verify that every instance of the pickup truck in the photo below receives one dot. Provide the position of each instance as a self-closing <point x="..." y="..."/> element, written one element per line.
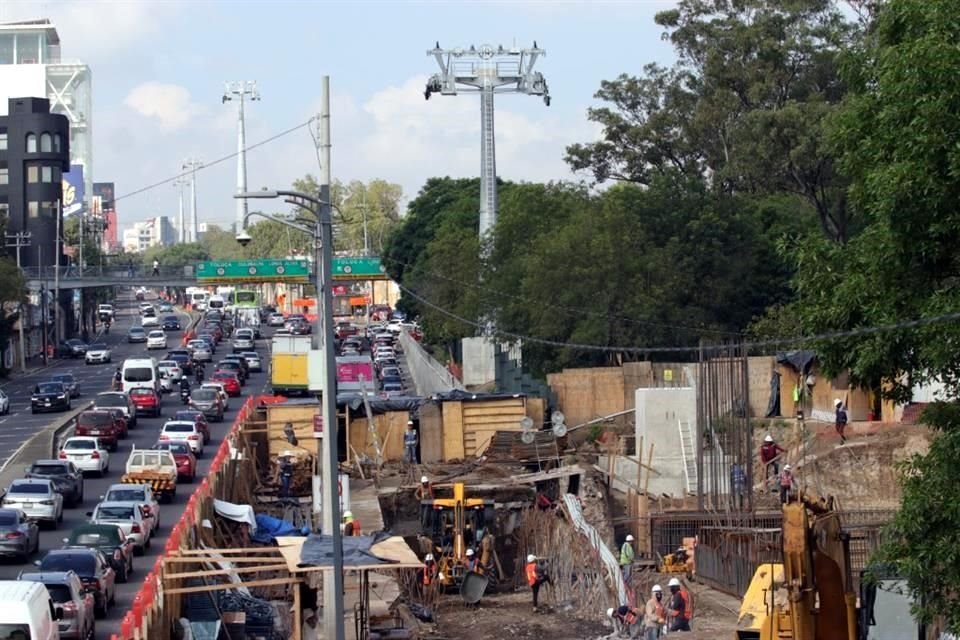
<point x="153" y="467"/>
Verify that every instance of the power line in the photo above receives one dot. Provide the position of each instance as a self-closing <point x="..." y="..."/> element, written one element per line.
<point x="832" y="335"/>
<point x="567" y="309"/>
<point x="207" y="165"/>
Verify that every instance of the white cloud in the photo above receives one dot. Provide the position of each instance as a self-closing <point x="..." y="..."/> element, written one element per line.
<point x="170" y="104"/>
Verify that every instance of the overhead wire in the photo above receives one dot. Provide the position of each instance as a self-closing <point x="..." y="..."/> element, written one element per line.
<point x="832" y="335"/>
<point x="207" y="165"/>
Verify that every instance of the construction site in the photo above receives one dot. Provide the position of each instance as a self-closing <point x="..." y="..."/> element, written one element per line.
<point x="663" y="458"/>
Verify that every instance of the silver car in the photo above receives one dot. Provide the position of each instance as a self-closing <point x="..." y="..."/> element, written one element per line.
<point x="37" y="498"/>
<point x="243" y="340"/>
<point x="129" y="516"/>
<point x="98" y="353"/>
<point x="199" y="351"/>
<point x="140" y="493"/>
<point x="19" y="536"/>
<point x="253" y="360"/>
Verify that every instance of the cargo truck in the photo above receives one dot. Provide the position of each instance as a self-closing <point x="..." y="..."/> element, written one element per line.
<point x="289" y="364"/>
<point x="349" y="371"/>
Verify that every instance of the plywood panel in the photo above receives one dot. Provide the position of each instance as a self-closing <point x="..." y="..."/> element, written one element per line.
<point x="302" y="418"/>
<point x="759" y="370"/>
<point x="390" y="428"/>
<point x="535" y="408"/>
<point x="584" y="394"/>
<point x="431" y="433"/>
<point x="453" y="431"/>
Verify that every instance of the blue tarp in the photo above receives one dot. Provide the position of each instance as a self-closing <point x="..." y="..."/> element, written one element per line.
<point x="269" y="528"/>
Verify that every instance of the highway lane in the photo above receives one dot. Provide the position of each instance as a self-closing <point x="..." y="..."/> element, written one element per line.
<point x="143" y="436"/>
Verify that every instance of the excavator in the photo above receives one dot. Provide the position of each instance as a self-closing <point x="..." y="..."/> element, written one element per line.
<point x="457" y="524"/>
<point x="810" y="596"/>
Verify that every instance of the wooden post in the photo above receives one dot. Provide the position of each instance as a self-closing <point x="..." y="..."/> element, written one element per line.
<point x="347" y="427"/>
<point x="296" y="613"/>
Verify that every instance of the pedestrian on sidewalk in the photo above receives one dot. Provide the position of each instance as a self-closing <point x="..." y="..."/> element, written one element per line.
<point x="840" y="420"/>
<point x="626" y="558"/>
<point x="654" y="614"/>
<point x="536" y="577"/>
<point x="410" y="441"/>
<point x="787" y="482"/>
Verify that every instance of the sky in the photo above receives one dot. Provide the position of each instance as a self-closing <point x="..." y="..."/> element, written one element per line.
<point x="159" y="68"/>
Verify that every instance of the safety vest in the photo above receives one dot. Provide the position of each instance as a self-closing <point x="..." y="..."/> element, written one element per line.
<point x="427" y="571"/>
<point x="630" y="616"/>
<point x="356" y="527"/>
<point x="687" y="605"/>
<point x="531" y="573"/>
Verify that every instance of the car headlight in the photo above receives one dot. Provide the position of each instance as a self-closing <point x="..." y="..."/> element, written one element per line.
<point x="62" y="396"/>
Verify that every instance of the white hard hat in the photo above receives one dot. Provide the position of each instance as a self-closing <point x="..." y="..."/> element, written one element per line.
<point x="348" y="514"/>
<point x="837" y="401"/>
<point x="610" y="612"/>
<point x="424" y="479"/>
<point x="531" y="558"/>
<point x="440" y="576"/>
<point x="786" y="467"/>
<point x="656" y="589"/>
<point x="769" y="438"/>
<point x="629" y="537"/>
<point x="673" y="583"/>
<point x="469" y="552"/>
<point x="409" y="423"/>
<point x="429" y="557"/>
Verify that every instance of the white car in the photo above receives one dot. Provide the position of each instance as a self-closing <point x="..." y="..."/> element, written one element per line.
<point x="105" y="309"/>
<point x="199" y="351"/>
<point x="37" y="498"/>
<point x="150" y="321"/>
<point x="139" y="493"/>
<point x="243" y="340"/>
<point x="144" y="306"/>
<point x="171" y="368"/>
<point x="216" y="386"/>
<point x="183" y="430"/>
<point x="129" y="517"/>
<point x="275" y="320"/>
<point x="4" y="403"/>
<point x="156" y="340"/>
<point x="98" y="353"/>
<point x="87" y="454"/>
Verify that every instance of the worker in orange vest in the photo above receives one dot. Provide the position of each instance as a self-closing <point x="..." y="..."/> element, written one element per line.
<point x="680" y="609"/>
<point x="536" y="576"/>
<point x="424" y="492"/>
<point x="351" y="525"/>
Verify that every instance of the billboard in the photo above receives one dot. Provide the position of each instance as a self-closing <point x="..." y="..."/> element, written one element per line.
<point x="104" y="191"/>
<point x="72" y="201"/>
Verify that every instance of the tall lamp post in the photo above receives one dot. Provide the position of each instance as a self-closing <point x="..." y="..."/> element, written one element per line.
<point x="322" y="232"/>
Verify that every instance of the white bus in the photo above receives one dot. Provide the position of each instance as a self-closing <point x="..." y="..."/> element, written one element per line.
<point x="198" y="298"/>
<point x="216" y="303"/>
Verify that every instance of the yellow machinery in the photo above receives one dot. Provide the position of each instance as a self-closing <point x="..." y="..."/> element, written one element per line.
<point x="676" y="562"/>
<point x="455" y="524"/>
<point x="810" y="596"/>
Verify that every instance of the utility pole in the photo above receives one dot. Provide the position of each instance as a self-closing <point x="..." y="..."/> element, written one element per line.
<point x="179" y="183"/>
<point x="58" y="249"/>
<point x="192" y="164"/>
<point x="241" y="91"/>
<point x="332" y="580"/>
<point x="18" y="240"/>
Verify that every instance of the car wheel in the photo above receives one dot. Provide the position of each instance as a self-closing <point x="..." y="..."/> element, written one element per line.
<point x="69" y="405"/>
<point x="122" y="576"/>
<point x="32" y="410"/>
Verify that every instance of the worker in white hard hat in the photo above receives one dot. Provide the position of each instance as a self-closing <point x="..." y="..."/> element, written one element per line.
<point x="679" y="610"/>
<point x="470" y="561"/>
<point x="351" y="526"/>
<point x="626" y="621"/>
<point x="654" y="614"/>
<point x="787" y="482"/>
<point x="424" y="495"/>
<point x="410" y="441"/>
<point x="770" y="453"/>
<point x="430" y="573"/>
<point x="626" y="558"/>
<point x="536" y="576"/>
<point x="840" y="419"/>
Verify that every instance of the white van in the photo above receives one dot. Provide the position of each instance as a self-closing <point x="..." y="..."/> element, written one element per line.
<point x="26" y="607"/>
<point x="140" y="372"/>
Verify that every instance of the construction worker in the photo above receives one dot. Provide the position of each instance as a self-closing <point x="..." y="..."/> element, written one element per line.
<point x="351" y="526"/>
<point x="424" y="492"/>
<point x="738" y="485"/>
<point x="786" y="484"/>
<point x="769" y="454"/>
<point x="536" y="576"/>
<point x="840" y="419"/>
<point x="679" y="611"/>
<point x="626" y="558"/>
<point x="289" y="434"/>
<point x="308" y="628"/>
<point x="410" y="440"/>
<point x="654" y="614"/>
<point x="471" y="562"/>
<point x="625" y="620"/>
<point x="429" y="574"/>
<point x="285" y="473"/>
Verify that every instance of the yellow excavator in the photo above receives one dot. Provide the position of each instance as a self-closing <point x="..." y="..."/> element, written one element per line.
<point x="456" y="524"/>
<point x="810" y="596"/>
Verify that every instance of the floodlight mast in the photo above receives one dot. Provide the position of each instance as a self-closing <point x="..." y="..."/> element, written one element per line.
<point x="487" y="70"/>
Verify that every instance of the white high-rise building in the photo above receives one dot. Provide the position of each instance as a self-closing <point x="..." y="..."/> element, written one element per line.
<point x="31" y="67"/>
<point x="149" y="233"/>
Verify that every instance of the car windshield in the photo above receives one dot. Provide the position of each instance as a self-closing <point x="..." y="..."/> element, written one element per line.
<point x="141" y="392"/>
<point x="8" y="518"/>
<point x="156" y="334"/>
<point x="186" y="415"/>
<point x="84" y="564"/>
<point x="49" y="469"/>
<point x="138" y="374"/>
<point x="136" y="330"/>
<point x="111" y="400"/>
<point x="98" y="347"/>
<point x="80" y="444"/>
<point x="29" y="487"/>
<point x="174" y="447"/>
<point x="167" y="364"/>
<point x="50" y="387"/>
<point x="95" y="538"/>
<point x="117" y="512"/>
<point x="196" y="344"/>
<point x="59" y="593"/>
<point x="171" y="318"/>
<point x="229" y="364"/>
<point x="183" y="427"/>
<point x="63" y="377"/>
<point x="205" y="394"/>
<point x="95" y="419"/>
<point x="125" y="495"/>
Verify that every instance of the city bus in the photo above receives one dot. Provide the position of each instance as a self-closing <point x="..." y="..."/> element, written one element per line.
<point x="247" y="298"/>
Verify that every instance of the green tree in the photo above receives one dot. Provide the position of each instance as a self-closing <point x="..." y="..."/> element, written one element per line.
<point x="12" y="294"/>
<point x="71" y="238"/>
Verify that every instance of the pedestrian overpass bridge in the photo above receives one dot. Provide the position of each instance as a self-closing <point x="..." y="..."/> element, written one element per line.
<point x="91" y="277"/>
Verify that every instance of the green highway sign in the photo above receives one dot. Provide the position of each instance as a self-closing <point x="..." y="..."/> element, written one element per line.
<point x="359" y="268"/>
<point x="254" y="271"/>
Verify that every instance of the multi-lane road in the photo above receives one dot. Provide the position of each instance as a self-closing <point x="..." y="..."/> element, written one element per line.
<point x="20" y="425"/>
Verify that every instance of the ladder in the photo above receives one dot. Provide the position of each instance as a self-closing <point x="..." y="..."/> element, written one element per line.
<point x="688" y="450"/>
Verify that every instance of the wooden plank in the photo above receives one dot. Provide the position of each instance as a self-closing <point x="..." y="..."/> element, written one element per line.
<point x="205" y="552"/>
<point x="225" y="572"/>
<point x="629" y="484"/>
<point x="452" y="431"/>
<point x="229" y="585"/>
<point x="546" y="475"/>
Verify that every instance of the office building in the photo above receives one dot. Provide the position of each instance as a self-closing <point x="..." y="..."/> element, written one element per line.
<point x="158" y="231"/>
<point x="34" y="153"/>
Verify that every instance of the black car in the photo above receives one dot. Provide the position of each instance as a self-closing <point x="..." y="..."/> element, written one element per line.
<point x="233" y="367"/>
<point x="65" y="476"/>
<point x="182" y="358"/>
<point x="239" y="359"/>
<point x="69" y="381"/>
<point x="136" y="334"/>
<point x="95" y="572"/>
<point x="301" y="328"/>
<point x="50" y="396"/>
<point x="72" y="348"/>
<point x="171" y="323"/>
<point x="109" y="540"/>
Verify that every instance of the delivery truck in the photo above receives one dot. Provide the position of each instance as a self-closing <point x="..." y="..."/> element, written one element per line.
<point x="349" y="371"/>
<point x="289" y="364"/>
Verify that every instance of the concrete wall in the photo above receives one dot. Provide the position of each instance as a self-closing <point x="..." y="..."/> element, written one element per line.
<point x="657" y="414"/>
<point x="479" y="367"/>
<point x="429" y="376"/>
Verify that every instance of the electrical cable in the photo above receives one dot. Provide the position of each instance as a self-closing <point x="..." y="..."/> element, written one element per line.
<point x="833" y="335"/>
<point x="569" y="310"/>
<point x="212" y="163"/>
